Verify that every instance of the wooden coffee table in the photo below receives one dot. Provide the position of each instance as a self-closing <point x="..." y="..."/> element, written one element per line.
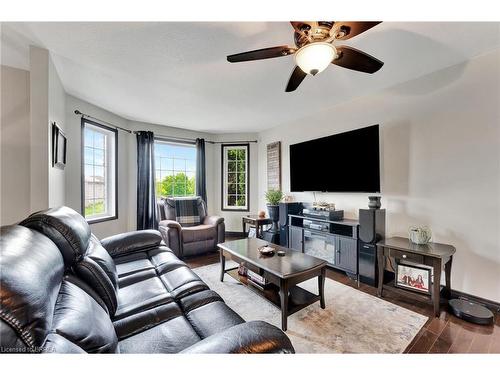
<point x="283" y="272"/>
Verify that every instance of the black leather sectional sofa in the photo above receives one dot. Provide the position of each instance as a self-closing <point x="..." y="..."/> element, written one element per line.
<point x="64" y="291"/>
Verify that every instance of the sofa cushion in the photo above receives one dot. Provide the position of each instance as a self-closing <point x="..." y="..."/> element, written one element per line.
<point x="147" y="319"/>
<point x="133" y="263"/>
<point x="66" y="228"/>
<point x="140" y="296"/>
<point x="199" y="233"/>
<point x="81" y="320"/>
<point x="181" y="281"/>
<point x="90" y="272"/>
<point x="99" y="255"/>
<point x="200" y="308"/>
<point x="171" y="336"/>
<point x="31" y="271"/>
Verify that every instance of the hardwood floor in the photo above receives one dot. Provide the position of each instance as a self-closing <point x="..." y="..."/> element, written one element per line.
<point x="443" y="334"/>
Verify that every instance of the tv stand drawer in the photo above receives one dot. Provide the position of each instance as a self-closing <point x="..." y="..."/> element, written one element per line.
<point x="406" y="256"/>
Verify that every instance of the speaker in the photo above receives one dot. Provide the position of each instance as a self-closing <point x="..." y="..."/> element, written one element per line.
<point x="287" y="208"/>
<point x="367" y="261"/>
<point x="371" y="230"/>
<point x="371" y="225"/>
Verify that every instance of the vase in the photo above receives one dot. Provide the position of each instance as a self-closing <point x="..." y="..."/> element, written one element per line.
<point x="374" y="202"/>
<point x="420" y="235"/>
<point x="274" y="215"/>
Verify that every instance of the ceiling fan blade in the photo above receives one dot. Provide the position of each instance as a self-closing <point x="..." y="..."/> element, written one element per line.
<point x="348" y="30"/>
<point x="295" y="79"/>
<point x="300" y="26"/>
<point x="354" y="59"/>
<point x="296" y="25"/>
<point x="260" y="54"/>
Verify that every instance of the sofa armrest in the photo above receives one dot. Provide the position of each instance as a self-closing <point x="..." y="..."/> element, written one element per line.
<point x="129" y="242"/>
<point x="213" y="220"/>
<point x="249" y="337"/>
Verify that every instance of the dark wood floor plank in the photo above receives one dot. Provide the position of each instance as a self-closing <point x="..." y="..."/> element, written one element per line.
<point x="436" y="325"/>
<point x="480" y="343"/>
<point x="440" y="346"/>
<point x="463" y="342"/>
<point x="424" y="343"/>
<point x="450" y="332"/>
<point x="495" y="342"/>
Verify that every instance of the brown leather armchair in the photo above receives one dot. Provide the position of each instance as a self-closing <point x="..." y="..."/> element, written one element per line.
<point x="193" y="240"/>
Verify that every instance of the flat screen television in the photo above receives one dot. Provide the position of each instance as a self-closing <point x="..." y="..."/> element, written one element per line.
<point x="345" y="162"/>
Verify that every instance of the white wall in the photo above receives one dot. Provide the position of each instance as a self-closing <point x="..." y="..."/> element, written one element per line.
<point x="30" y="102"/>
<point x="14" y="145"/>
<point x="57" y="114"/>
<point x="39" y="129"/>
<point x="232" y="219"/>
<point x="440" y="142"/>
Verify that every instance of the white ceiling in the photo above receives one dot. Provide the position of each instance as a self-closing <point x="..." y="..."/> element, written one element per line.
<point x="176" y="73"/>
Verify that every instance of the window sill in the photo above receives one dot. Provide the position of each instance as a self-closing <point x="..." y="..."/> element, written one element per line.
<point x="236" y="209"/>
<point x="101" y="219"/>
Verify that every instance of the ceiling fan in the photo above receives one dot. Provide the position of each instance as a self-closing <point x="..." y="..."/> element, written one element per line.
<point x="315" y="50"/>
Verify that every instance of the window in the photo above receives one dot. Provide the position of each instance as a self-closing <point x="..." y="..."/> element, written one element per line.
<point x="175" y="169"/>
<point x="99" y="171"/>
<point x="235" y="177"/>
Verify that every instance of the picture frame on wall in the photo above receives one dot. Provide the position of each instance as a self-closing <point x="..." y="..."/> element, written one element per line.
<point x="274" y="166"/>
<point x="59" y="144"/>
<point x="417" y="278"/>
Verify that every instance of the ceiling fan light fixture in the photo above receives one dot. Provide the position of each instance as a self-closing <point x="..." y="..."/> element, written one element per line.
<point x="315" y="57"/>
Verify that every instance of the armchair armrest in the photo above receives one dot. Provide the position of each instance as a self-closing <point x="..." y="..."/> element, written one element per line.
<point x="249" y="337"/>
<point x="213" y="220"/>
<point x="170" y="224"/>
<point x="129" y="242"/>
<point x="171" y="231"/>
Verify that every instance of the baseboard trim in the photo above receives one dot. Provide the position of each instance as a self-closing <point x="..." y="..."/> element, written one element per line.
<point x="492" y="305"/>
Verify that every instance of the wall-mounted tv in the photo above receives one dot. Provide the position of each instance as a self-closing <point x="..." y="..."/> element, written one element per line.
<point x="340" y="163"/>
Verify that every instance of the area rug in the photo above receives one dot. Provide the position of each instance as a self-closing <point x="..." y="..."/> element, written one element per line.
<point x="353" y="321"/>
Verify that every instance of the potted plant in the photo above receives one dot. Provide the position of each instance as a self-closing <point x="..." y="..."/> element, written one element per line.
<point x="273" y="198"/>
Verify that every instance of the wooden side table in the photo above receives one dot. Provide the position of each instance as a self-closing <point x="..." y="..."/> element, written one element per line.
<point x="392" y="250"/>
<point x="257" y="222"/>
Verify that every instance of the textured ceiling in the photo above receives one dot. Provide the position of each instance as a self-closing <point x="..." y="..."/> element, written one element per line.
<point x="176" y="73"/>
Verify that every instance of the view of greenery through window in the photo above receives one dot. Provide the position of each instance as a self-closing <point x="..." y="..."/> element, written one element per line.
<point x="236" y="177"/>
<point x="175" y="169"/>
<point x="95" y="171"/>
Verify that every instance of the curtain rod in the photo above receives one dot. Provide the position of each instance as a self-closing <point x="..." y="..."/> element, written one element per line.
<point x="167" y="137"/>
<point x="77" y="112"/>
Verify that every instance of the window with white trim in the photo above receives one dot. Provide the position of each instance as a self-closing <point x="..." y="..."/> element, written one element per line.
<point x="235" y="177"/>
<point x="99" y="158"/>
<point x="175" y="169"/>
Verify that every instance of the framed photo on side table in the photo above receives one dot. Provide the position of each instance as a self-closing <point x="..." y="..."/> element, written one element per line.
<point x="413" y="277"/>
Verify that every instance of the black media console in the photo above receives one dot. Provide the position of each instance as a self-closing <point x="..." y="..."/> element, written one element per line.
<point x="334" y="241"/>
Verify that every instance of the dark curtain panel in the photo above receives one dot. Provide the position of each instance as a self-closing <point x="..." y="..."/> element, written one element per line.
<point x="201" y="179"/>
<point x="146" y="200"/>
